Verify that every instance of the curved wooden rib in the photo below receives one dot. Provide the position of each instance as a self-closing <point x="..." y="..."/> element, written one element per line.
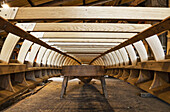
<point x="5" y="82"/>
<point x="23" y="51"/>
<point x="125" y="74"/>
<point x="124" y="55"/>
<point x="132" y="54"/>
<point x="161" y="79"/>
<point x="33" y="53"/>
<point x="50" y="58"/>
<point x="45" y="57"/>
<point x="156" y="47"/>
<point x="141" y="50"/>
<point x="144" y="75"/>
<point x="115" y="58"/>
<point x="119" y="57"/>
<point x="40" y="55"/>
<point x="56" y="61"/>
<point x="8" y="47"/>
<point x="54" y="58"/>
<point x="134" y="74"/>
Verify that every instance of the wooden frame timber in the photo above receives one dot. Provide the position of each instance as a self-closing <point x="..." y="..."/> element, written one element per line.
<point x="39" y="13"/>
<point x="88" y="27"/>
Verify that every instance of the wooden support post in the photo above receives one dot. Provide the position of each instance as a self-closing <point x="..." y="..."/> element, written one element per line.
<point x="103" y="83"/>
<point x="64" y="86"/>
<point x="20" y="78"/>
<point x="30" y="75"/>
<point x="119" y="73"/>
<point x="5" y="82"/>
<point x="134" y="74"/>
<point x="38" y="73"/>
<point x="144" y="75"/>
<point x="160" y="79"/>
<point x="125" y="74"/>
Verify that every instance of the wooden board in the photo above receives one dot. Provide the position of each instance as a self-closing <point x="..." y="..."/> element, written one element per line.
<point x="83" y="70"/>
<point x="132" y="13"/>
<point x="85" y="40"/>
<point x="90" y="27"/>
<point x="86" y="35"/>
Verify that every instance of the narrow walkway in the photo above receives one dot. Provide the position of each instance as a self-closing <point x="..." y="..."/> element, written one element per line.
<point x="122" y="97"/>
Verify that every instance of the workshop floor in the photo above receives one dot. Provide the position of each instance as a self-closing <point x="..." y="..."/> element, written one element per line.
<point x="122" y="97"/>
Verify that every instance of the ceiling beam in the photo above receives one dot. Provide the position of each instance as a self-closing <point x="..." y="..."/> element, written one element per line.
<point x="118" y="13"/>
<point x="89" y="27"/>
<point x="86" y="35"/>
<point x="84" y="40"/>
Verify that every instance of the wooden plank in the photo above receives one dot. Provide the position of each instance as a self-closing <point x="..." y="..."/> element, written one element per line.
<point x="94" y="27"/>
<point x="84" y="46"/>
<point x="161" y="66"/>
<point x="11" y="68"/>
<point x="84" y="40"/>
<point x="143" y="13"/>
<point x="97" y="49"/>
<point x="86" y="35"/>
<point x="83" y="70"/>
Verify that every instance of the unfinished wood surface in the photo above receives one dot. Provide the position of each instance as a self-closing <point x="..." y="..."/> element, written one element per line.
<point x="124" y="55"/>
<point x="45" y="57"/>
<point x="11" y="68"/>
<point x="40" y="55"/>
<point x="132" y="54"/>
<point x="90" y="27"/>
<point x="141" y="50"/>
<point x="143" y="13"/>
<point x="85" y="40"/>
<point x="115" y="58"/>
<point x="8" y="47"/>
<point x="86" y="35"/>
<point x="156" y="47"/>
<point x="82" y="44"/>
<point x="53" y="59"/>
<point x="119" y="57"/>
<point x="33" y="53"/>
<point x="83" y="70"/>
<point x="50" y="58"/>
<point x="23" y="51"/>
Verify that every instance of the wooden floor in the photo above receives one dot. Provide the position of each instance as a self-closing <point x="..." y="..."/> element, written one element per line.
<point x="122" y="97"/>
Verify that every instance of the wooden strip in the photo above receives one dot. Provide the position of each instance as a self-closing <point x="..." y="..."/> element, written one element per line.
<point x="115" y="58"/>
<point x="156" y="47"/>
<point x="132" y="54"/>
<point x="8" y="47"/>
<point x="124" y="55"/>
<point x="141" y="51"/>
<point x="85" y="40"/>
<point x="23" y="51"/>
<point x="33" y="53"/>
<point x="89" y="27"/>
<point x="143" y="13"/>
<point x="119" y="57"/>
<point x="45" y="57"/>
<point x="40" y="55"/>
<point x="50" y="58"/>
<point x="86" y="35"/>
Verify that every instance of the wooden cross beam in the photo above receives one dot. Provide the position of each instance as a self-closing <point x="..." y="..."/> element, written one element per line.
<point x="86" y="35"/>
<point x="88" y="27"/>
<point x="118" y="13"/>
